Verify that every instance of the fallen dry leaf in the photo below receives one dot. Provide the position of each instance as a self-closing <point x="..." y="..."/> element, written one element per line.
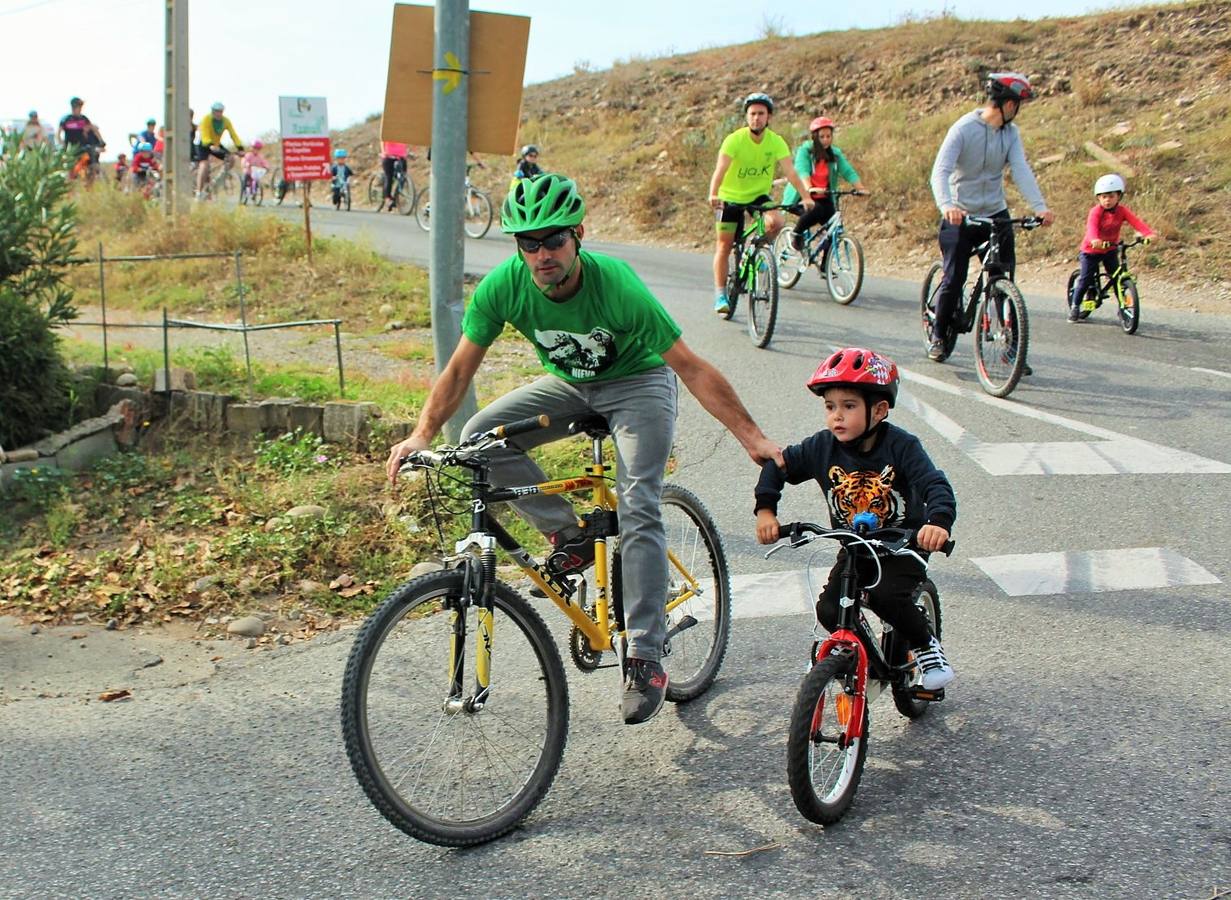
<point x="110" y="696"/>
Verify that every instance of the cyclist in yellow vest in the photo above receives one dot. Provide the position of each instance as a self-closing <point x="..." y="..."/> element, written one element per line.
<point x="744" y="174"/>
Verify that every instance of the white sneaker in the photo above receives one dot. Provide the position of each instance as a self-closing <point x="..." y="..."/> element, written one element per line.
<point x="934" y="670"/>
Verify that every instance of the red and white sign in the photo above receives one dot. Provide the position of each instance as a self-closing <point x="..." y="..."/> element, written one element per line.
<point x="305" y="138"/>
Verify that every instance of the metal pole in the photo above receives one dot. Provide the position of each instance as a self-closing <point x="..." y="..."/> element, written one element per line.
<point x="177" y="136"/>
<point x="307" y="219"/>
<point x="166" y="360"/>
<point x="243" y="318"/>
<point x="337" y="343"/>
<point x="450" y="86"/>
<point x="102" y="297"/>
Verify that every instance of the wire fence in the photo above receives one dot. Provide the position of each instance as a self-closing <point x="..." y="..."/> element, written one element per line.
<point x="168" y="323"/>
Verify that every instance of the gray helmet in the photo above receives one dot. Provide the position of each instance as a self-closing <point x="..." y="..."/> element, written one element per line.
<point x="758" y="97"/>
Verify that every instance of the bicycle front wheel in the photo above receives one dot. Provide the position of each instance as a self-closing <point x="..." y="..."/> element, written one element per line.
<point x="927" y="304"/>
<point x="791" y="263"/>
<point x="405" y="196"/>
<point x="1002" y="334"/>
<point x="733" y="283"/>
<point x="346" y="197"/>
<point x="423" y="209"/>
<point x="844" y="269"/>
<point x="763" y="298"/>
<point x="376" y="190"/>
<point x="1130" y="306"/>
<point x="478" y="214"/>
<point x="698" y="595"/>
<point x="433" y="764"/>
<point x="258" y="196"/>
<point x="823" y="762"/>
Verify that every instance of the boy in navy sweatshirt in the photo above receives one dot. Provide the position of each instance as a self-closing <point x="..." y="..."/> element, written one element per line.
<point x="864" y="464"/>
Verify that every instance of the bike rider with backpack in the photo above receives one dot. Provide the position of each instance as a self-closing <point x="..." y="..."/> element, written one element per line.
<point x="968" y="178"/>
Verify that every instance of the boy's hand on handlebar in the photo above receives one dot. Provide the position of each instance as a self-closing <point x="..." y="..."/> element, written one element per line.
<point x="767" y="527"/>
<point x="931" y="537"/>
<point x="400" y="451"/>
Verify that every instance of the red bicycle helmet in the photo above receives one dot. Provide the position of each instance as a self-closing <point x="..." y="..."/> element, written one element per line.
<point x="1003" y="86"/>
<point x="821" y="122"/>
<point x="855" y="367"/>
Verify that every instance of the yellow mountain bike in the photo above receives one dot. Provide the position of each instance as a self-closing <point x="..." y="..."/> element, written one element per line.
<point x="454" y="701"/>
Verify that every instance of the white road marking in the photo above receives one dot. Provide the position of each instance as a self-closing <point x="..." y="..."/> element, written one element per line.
<point x="1112" y="454"/>
<point x="1210" y="371"/>
<point x="772" y="594"/>
<point x="1092" y="571"/>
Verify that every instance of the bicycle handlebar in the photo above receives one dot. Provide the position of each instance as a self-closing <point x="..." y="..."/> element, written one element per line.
<point x="894" y="541"/>
<point x="1026" y="223"/>
<point x="480" y="440"/>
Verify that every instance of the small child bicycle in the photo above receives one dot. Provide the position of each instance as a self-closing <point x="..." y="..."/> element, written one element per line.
<point x="1119" y="284"/>
<point x="828" y="738"/>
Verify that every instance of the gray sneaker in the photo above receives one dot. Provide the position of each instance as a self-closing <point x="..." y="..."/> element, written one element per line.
<point x="645" y="690"/>
<point x="934" y="670"/>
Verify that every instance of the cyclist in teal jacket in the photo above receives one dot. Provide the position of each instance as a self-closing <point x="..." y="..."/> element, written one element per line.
<point x="820" y="164"/>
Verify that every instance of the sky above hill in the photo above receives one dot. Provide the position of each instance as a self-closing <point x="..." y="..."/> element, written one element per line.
<point x="245" y="54"/>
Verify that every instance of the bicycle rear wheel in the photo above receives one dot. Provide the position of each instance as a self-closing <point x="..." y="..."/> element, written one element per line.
<point x="927" y="599"/>
<point x="823" y="763"/>
<point x="699" y="624"/>
<point x="435" y="767"/>
<point x="844" y="269"/>
<point x="478" y="214"/>
<point x="1129" y="310"/>
<point x="791" y="263"/>
<point x="763" y="298"/>
<point x="423" y="210"/>
<point x="1002" y="334"/>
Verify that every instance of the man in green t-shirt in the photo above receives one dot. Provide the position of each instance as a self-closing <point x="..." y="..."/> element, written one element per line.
<point x="606" y="343"/>
<point x="744" y="174"/>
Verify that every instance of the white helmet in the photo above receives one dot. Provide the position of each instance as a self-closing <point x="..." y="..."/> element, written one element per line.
<point x="1108" y="183"/>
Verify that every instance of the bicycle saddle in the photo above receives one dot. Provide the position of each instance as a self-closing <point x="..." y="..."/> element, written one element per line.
<point x="594" y="425"/>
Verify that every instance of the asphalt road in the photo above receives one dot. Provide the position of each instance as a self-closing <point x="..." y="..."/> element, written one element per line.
<point x="1080" y="753"/>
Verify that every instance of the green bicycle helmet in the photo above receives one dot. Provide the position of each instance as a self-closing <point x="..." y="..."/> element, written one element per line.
<point x="542" y="201"/>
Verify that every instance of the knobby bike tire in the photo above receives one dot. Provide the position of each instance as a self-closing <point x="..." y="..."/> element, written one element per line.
<point x="1068" y="290"/>
<point x="693" y="657"/>
<point x="423" y="209"/>
<point x="763" y="298"/>
<point x="463" y="778"/>
<point x="824" y="774"/>
<point x="926" y="598"/>
<point x="927" y="303"/>
<point x="376" y="190"/>
<point x="406" y="196"/>
<point x="733" y="283"/>
<point x="1001" y="337"/>
<point x="791" y="263"/>
<point x="1129" y="306"/>
<point x="478" y="214"/>
<point x="844" y="269"/>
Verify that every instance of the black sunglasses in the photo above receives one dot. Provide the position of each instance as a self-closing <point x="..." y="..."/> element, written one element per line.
<point x="553" y="241"/>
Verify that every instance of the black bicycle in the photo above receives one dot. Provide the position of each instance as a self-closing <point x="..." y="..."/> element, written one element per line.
<point x="836" y="253"/>
<point x="404" y="193"/>
<point x="1119" y="284"/>
<point x="752" y="269"/>
<point x="995" y="310"/>
<point x="828" y="738"/>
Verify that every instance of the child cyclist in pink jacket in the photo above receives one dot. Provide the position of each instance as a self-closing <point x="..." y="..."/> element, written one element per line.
<point x="1103" y="225"/>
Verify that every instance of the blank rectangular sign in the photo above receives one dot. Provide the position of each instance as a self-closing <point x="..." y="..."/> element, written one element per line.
<point x="497" y="68"/>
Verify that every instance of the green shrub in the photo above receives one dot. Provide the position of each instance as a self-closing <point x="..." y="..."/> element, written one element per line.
<point x="36" y="238"/>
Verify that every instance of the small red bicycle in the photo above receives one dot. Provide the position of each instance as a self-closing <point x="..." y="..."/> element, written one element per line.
<point x="828" y="738"/>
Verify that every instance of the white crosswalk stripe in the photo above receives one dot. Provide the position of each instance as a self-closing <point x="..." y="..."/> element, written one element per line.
<point x="1090" y="571"/>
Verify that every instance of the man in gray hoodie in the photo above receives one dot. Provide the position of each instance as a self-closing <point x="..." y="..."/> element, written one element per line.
<point x="968" y="178"/>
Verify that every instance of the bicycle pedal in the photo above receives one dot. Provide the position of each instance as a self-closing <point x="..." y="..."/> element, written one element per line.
<point x="682" y="625"/>
<point x="930" y="696"/>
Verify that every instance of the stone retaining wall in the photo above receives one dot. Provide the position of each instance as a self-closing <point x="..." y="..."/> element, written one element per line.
<point x="128" y="409"/>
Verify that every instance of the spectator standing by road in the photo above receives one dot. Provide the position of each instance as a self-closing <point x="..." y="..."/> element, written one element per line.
<point x="33" y="134"/>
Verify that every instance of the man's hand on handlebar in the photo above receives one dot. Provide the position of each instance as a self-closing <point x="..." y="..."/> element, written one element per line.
<point x="954" y="215"/>
<point x="399" y="453"/>
<point x="1047" y="216"/>
<point x="931" y="537"/>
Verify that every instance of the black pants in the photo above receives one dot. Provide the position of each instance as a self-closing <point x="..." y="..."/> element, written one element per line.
<point x="821" y="212"/>
<point x="1089" y="274"/>
<point x="892" y="599"/>
<point x="957" y="244"/>
<point x="390" y="165"/>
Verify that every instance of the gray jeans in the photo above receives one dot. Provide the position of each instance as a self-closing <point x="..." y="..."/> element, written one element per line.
<point x="641" y="411"/>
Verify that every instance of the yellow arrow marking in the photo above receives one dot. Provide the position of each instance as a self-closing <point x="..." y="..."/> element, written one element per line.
<point x="452" y="76"/>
